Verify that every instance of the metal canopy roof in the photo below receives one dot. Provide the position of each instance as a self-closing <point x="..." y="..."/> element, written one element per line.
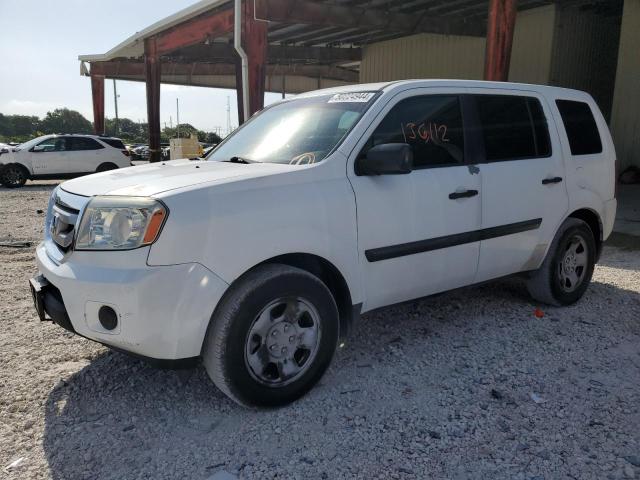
<point x="313" y="43"/>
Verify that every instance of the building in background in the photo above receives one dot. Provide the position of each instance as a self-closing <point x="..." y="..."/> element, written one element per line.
<point x="298" y="45"/>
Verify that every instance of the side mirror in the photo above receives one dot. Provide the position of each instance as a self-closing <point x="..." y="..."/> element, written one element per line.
<point x="386" y="159"/>
<point x="38" y="148"/>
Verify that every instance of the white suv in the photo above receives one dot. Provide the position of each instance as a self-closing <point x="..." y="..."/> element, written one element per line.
<point x="259" y="258"/>
<point x="61" y="156"/>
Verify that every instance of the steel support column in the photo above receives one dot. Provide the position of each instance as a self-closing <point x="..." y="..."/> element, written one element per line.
<point x="152" y="72"/>
<point x="500" y="26"/>
<point x="97" y="92"/>
<point x="254" y="42"/>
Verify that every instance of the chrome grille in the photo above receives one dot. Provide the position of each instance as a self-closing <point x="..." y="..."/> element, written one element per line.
<point x="62" y="226"/>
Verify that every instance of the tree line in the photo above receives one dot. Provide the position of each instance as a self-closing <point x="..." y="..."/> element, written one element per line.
<point x="20" y="128"/>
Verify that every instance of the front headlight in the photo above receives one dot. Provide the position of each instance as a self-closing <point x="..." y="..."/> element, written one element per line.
<point x="120" y="223"/>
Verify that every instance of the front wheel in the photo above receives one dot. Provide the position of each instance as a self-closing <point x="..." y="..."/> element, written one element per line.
<point x="272" y="336"/>
<point x="566" y="272"/>
<point x="13" y="176"/>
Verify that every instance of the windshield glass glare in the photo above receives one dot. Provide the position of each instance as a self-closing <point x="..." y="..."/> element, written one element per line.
<point x="298" y="132"/>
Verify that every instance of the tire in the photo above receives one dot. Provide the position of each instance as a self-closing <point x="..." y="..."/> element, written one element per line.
<point x="14" y="176"/>
<point x="565" y="274"/>
<point x="105" y="167"/>
<point x="247" y="352"/>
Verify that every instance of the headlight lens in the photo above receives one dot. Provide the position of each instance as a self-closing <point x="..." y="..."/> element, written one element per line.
<point x="120" y="223"/>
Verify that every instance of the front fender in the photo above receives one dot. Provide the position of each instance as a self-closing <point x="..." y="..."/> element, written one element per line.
<point x="233" y="227"/>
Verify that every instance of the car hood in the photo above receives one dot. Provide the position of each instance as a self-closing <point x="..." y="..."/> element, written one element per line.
<point x="155" y="178"/>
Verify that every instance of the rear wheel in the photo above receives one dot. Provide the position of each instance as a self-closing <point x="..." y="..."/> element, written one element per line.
<point x="566" y="272"/>
<point x="105" y="167"/>
<point x="272" y="336"/>
<point x="14" y="176"/>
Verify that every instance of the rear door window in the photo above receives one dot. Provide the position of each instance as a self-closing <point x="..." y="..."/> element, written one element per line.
<point x="84" y="143"/>
<point x="430" y="124"/>
<point x="582" y="130"/>
<point x="513" y="127"/>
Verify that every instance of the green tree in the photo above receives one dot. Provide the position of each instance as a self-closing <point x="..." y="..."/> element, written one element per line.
<point x="63" y="120"/>
<point x="128" y="130"/>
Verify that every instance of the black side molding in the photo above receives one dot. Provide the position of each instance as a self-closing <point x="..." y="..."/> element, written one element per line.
<point x="421" y="246"/>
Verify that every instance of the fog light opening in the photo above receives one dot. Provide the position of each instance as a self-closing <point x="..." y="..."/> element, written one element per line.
<point x="108" y="317"/>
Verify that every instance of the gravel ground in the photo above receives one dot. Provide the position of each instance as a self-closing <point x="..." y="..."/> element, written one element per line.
<point x="469" y="384"/>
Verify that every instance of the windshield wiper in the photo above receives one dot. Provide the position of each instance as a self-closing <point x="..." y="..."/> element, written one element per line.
<point x="241" y="160"/>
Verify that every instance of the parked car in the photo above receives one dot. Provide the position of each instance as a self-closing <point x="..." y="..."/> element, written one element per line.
<point x="61" y="156"/>
<point x="321" y="207"/>
<point x="140" y="152"/>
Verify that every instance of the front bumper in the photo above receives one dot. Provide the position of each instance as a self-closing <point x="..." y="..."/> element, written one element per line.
<point x="163" y="311"/>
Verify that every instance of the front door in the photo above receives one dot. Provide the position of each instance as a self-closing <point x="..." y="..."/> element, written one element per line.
<point x="524" y="193"/>
<point x="415" y="231"/>
<point x="49" y="157"/>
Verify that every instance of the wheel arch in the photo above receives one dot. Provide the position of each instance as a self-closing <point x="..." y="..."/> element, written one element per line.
<point x="109" y="165"/>
<point x="591" y="218"/>
<point x="20" y="166"/>
<point x="332" y="278"/>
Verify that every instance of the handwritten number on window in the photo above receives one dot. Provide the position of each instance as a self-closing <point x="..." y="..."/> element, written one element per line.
<point x="427" y="132"/>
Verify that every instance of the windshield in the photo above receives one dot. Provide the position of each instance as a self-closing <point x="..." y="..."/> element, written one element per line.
<point x="298" y="132"/>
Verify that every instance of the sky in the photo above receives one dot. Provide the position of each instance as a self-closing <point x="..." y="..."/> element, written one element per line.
<point x="40" y="41"/>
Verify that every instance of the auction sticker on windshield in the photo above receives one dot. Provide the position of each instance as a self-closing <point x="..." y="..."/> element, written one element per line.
<point x="352" y="97"/>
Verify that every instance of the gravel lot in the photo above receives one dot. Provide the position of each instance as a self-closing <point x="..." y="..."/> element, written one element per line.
<point x="470" y="384"/>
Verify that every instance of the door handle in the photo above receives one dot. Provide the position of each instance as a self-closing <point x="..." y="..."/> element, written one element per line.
<point x="463" y="194"/>
<point x="547" y="181"/>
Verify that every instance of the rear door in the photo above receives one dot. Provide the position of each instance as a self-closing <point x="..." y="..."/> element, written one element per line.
<point x="523" y="180"/>
<point x="416" y="231"/>
<point x="85" y="155"/>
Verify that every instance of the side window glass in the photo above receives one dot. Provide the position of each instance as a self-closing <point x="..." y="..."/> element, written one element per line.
<point x="513" y="127"/>
<point x="53" y="144"/>
<point x="581" y="128"/>
<point x="82" y="143"/>
<point x="431" y="125"/>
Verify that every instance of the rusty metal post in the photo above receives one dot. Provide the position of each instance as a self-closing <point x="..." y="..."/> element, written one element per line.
<point x="254" y="42"/>
<point x="152" y="76"/>
<point x="500" y="26"/>
<point x="97" y="93"/>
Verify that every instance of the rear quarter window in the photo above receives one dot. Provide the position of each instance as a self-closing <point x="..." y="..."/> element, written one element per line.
<point x="580" y="125"/>
<point x="114" y="142"/>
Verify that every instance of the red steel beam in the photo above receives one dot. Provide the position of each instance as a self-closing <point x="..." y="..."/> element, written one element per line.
<point x="196" y="30"/>
<point x="152" y="78"/>
<point x="500" y="26"/>
<point x="97" y="93"/>
<point x="126" y="69"/>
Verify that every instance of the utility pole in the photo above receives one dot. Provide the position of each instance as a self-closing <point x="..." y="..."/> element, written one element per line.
<point x="115" y="101"/>
<point x="178" y="116"/>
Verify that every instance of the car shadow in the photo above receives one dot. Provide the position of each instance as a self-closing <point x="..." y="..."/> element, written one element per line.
<point x="118" y="417"/>
<point x="36" y="186"/>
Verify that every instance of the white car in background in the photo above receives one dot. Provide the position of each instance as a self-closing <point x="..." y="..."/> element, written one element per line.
<point x="61" y="156"/>
<point x="321" y="207"/>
